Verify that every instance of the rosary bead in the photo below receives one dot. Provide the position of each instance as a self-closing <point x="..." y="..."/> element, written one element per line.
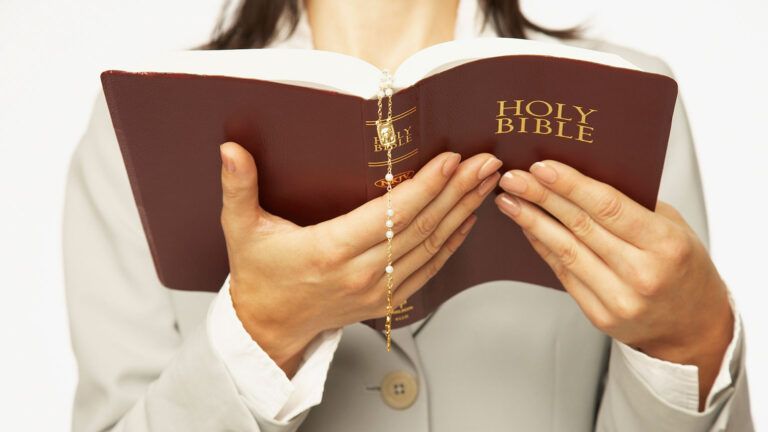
<point x="390" y="234"/>
<point x="389" y="177"/>
<point x="389" y="269"/>
<point x="388" y="91"/>
<point x="390" y="224"/>
<point x="390" y="212"/>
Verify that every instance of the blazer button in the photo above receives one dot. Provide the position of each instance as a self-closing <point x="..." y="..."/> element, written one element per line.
<point x="399" y="389"/>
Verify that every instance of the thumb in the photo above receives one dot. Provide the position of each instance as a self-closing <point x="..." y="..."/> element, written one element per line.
<point x="239" y="187"/>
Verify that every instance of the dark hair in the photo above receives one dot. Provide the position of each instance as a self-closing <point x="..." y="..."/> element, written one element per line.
<point x="255" y="22"/>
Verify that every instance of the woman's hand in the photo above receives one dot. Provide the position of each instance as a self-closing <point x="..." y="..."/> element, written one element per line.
<point x="642" y="277"/>
<point x="289" y="283"/>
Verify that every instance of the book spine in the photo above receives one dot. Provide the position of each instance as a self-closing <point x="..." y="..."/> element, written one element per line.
<point x="406" y="160"/>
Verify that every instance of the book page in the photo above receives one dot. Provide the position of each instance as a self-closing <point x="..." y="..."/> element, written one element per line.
<point x="320" y="69"/>
<point x="446" y="55"/>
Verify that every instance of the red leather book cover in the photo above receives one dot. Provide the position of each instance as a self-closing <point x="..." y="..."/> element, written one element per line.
<point x="318" y="155"/>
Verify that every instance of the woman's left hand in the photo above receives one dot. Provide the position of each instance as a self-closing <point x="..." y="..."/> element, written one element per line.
<point x="642" y="277"/>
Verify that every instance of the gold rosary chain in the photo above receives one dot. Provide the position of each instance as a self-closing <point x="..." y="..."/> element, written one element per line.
<point x="386" y="136"/>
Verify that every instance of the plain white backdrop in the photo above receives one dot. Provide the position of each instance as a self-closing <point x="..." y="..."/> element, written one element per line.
<point x="51" y="53"/>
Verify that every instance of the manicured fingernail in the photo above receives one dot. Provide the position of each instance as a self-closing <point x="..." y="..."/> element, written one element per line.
<point x="486" y="185"/>
<point x="513" y="183"/>
<point x="510" y="204"/>
<point x="468" y="223"/>
<point x="450" y="164"/>
<point x="227" y="161"/>
<point x="543" y="172"/>
<point x="491" y="165"/>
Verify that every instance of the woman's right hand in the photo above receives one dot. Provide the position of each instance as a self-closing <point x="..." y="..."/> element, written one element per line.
<point x="289" y="283"/>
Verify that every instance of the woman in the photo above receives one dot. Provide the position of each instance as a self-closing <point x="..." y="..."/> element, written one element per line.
<point x="644" y="339"/>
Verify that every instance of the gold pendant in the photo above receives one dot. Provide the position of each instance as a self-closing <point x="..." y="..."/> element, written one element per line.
<point x="386" y="131"/>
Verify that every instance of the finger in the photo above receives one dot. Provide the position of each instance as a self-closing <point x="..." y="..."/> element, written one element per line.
<point x="593" y="308"/>
<point x="363" y="227"/>
<point x="239" y="185"/>
<point x="670" y="213"/>
<point x="410" y="258"/>
<point x="576" y="257"/>
<point x="616" y="252"/>
<point x="610" y="208"/>
<point x="421" y="274"/>
<point x="463" y="194"/>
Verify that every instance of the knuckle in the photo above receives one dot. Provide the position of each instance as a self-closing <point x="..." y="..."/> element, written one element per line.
<point x="224" y="220"/>
<point x="358" y="282"/>
<point x="400" y="220"/>
<point x="375" y="300"/>
<point x="677" y="249"/>
<point x="627" y="308"/>
<point x="567" y="255"/>
<point x="648" y="283"/>
<point x="604" y="322"/>
<point x="425" y="224"/>
<point x="582" y="224"/>
<point x="432" y="244"/>
<point x="325" y="259"/>
<point x="560" y="271"/>
<point x="569" y="188"/>
<point x="542" y="196"/>
<point x="452" y="245"/>
<point x="609" y="207"/>
<point x="464" y="183"/>
<point x="431" y="270"/>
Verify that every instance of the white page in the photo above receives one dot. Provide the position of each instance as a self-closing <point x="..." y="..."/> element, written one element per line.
<point x="309" y="68"/>
<point x="446" y="55"/>
<point x="347" y="74"/>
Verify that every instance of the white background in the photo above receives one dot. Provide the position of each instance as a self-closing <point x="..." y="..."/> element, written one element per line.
<point x="52" y="51"/>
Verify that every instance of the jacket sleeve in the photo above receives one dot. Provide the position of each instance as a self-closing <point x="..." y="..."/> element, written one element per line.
<point x="136" y="370"/>
<point x="628" y="402"/>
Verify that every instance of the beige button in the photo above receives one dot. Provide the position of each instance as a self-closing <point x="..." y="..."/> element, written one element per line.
<point x="399" y="389"/>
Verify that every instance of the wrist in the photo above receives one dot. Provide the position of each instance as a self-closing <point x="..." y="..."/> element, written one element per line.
<point x="280" y="334"/>
<point x="702" y="340"/>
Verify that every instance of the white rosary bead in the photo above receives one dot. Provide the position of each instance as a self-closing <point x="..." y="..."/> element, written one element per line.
<point x="388" y="91"/>
<point x="389" y="223"/>
<point x="389" y="269"/>
<point x="390" y="234"/>
<point x="380" y="93"/>
<point x="390" y="212"/>
<point x="389" y="177"/>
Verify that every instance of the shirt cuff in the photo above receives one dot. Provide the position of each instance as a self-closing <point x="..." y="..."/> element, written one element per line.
<point x="678" y="384"/>
<point x="265" y="387"/>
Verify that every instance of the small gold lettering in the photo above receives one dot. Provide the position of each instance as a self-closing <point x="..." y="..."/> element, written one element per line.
<point x="529" y="109"/>
<point x="585" y="131"/>
<point x="583" y="114"/>
<point x="517" y="107"/>
<point x="504" y="125"/>
<point x="542" y="124"/>
<point x="560" y="127"/>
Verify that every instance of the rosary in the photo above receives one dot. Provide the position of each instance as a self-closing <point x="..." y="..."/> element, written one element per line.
<point x="387" y="138"/>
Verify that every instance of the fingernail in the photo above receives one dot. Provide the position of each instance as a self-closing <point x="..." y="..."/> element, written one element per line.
<point x="467" y="224"/>
<point x="486" y="185"/>
<point x="513" y="183"/>
<point x="543" y="172"/>
<point x="229" y="165"/>
<point x="450" y="164"/>
<point x="510" y="204"/>
<point x="491" y="165"/>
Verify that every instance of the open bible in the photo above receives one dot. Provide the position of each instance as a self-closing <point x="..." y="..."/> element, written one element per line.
<point x="308" y="118"/>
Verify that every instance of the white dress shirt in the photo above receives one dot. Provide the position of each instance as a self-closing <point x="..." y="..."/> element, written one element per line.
<point x="269" y="393"/>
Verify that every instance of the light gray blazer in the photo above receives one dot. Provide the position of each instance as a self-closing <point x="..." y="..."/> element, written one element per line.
<point x="500" y="356"/>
